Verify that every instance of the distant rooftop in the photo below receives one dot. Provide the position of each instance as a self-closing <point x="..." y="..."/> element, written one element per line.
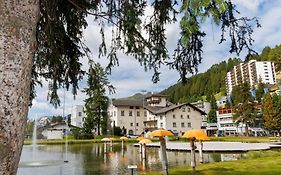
<point x="138" y="103"/>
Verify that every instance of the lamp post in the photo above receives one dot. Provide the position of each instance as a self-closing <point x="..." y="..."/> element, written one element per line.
<point x="63" y="115"/>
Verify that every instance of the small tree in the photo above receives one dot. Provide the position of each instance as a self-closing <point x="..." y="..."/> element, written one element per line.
<point x="212" y="117"/>
<point x="270" y="114"/>
<point x="244" y="106"/>
<point x="97" y="101"/>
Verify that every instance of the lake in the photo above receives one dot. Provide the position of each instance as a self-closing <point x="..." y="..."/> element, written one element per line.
<point x="91" y="159"/>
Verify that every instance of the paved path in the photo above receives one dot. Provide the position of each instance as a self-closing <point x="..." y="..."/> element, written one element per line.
<point x="217" y="146"/>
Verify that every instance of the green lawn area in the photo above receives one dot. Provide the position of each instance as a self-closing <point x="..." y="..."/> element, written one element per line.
<point x="257" y="163"/>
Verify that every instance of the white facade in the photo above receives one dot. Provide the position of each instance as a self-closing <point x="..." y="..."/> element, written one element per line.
<point x="55" y="131"/>
<point x="252" y="72"/>
<point x="226" y="125"/>
<point x="77" y="116"/>
<point x="157" y="113"/>
<point x="129" y="116"/>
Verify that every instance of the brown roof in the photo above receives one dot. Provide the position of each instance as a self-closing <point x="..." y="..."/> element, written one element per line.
<point x="156" y="95"/>
<point x="127" y="103"/>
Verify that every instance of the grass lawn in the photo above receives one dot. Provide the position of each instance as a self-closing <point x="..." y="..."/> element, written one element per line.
<point x="257" y="163"/>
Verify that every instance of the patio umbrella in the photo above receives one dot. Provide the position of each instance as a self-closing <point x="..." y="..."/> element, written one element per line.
<point x="196" y="135"/>
<point x="105" y="140"/>
<point x="123" y="139"/>
<point x="140" y="138"/>
<point x="143" y="143"/>
<point x="161" y="134"/>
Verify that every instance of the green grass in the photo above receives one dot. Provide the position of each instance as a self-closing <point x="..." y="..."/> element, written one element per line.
<point x="257" y="163"/>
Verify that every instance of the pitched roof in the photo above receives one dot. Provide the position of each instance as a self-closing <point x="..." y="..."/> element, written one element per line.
<point x="156" y="95"/>
<point x="127" y="103"/>
<point x="172" y="107"/>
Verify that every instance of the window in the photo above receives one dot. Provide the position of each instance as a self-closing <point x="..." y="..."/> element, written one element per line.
<point x="145" y="113"/>
<point x="131" y="124"/>
<point x="130" y="113"/>
<point x="187" y="116"/>
<point x="161" y="125"/>
<point x="137" y="124"/>
<point x="79" y="114"/>
<point x="137" y="107"/>
<point x="114" y="113"/>
<point x="189" y="124"/>
<point x="183" y="109"/>
<point x="174" y="116"/>
<point x="182" y="124"/>
<point x="122" y="113"/>
<point x="181" y="116"/>
<point x="161" y="117"/>
<point x="131" y="107"/>
<point x="174" y="124"/>
<point x="188" y="109"/>
<point x="138" y="113"/>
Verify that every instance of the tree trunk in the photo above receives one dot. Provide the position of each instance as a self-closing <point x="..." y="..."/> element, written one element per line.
<point x="18" y="21"/>
<point x="247" y="129"/>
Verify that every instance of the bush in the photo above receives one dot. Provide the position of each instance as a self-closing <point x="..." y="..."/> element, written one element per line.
<point x="79" y="134"/>
<point x="117" y="131"/>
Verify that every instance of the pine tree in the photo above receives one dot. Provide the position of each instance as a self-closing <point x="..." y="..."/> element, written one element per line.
<point x="244" y="106"/>
<point x="97" y="101"/>
<point x="270" y="114"/>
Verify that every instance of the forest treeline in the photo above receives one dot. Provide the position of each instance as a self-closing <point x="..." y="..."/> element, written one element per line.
<point x="213" y="80"/>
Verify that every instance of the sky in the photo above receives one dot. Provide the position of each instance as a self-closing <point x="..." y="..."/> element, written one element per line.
<point x="130" y="78"/>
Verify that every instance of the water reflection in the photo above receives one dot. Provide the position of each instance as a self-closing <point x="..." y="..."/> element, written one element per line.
<point x="93" y="159"/>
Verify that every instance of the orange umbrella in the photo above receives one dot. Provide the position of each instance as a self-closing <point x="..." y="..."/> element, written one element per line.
<point x="145" y="141"/>
<point x="140" y="138"/>
<point x="161" y="133"/>
<point x="197" y="134"/>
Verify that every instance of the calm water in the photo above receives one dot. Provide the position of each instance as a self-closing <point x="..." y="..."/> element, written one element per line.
<point x="91" y="159"/>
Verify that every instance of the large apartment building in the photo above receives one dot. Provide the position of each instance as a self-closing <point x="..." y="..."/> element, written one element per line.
<point x="252" y="72"/>
<point x="155" y="113"/>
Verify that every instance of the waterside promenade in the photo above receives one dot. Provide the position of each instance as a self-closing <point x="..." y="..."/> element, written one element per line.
<point x="218" y="146"/>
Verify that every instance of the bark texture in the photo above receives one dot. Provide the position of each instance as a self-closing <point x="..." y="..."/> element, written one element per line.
<point x="18" y="19"/>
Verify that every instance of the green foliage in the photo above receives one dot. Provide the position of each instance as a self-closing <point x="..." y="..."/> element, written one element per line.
<point x="244" y="106"/>
<point x="96" y="103"/>
<point x="212" y="117"/>
<point x="271" y="112"/>
<point x="60" y="36"/>
<point x="29" y="129"/>
<point x="204" y="84"/>
<point x="260" y="92"/>
<point x="57" y="119"/>
<point x="117" y="131"/>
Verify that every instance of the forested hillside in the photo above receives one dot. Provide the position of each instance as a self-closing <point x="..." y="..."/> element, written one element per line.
<point x="203" y="84"/>
<point x="213" y="81"/>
